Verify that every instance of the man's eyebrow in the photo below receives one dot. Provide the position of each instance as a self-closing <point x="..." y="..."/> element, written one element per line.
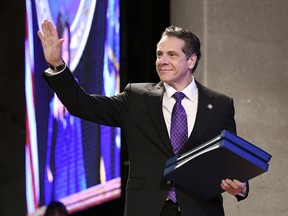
<point x="173" y="52"/>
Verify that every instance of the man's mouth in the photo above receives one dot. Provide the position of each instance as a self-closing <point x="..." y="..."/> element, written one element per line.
<point x="165" y="69"/>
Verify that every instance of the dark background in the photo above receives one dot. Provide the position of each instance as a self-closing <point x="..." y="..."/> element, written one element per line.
<point x="141" y="25"/>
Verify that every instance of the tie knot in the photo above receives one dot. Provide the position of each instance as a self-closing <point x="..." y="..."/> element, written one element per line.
<point x="178" y="96"/>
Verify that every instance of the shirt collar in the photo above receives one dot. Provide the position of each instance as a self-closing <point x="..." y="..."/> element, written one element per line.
<point x="190" y="91"/>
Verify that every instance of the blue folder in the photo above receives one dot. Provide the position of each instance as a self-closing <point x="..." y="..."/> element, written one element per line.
<point x="202" y="169"/>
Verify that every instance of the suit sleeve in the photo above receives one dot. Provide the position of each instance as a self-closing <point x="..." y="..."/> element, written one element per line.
<point x="231" y="125"/>
<point x="100" y="109"/>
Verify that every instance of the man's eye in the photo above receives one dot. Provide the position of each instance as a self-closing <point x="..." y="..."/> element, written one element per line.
<point x="159" y="55"/>
<point x="172" y="54"/>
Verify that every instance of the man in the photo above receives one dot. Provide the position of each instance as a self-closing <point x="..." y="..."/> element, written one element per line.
<point x="144" y="112"/>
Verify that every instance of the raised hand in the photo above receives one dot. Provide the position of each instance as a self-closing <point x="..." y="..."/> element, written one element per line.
<point x="52" y="45"/>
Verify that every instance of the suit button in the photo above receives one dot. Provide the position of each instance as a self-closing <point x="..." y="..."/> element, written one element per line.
<point x="168" y="182"/>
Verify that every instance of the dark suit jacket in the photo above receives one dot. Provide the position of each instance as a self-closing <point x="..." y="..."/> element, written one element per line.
<point x="138" y="111"/>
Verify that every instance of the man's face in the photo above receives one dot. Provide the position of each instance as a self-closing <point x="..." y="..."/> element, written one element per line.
<point x="172" y="65"/>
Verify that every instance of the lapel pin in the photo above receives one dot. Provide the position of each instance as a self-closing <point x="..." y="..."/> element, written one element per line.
<point x="209" y="106"/>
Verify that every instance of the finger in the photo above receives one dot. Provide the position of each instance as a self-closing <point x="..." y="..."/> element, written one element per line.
<point x="223" y="186"/>
<point x="226" y="187"/>
<point x="44" y="29"/>
<point x="232" y="187"/>
<point x="231" y="183"/>
<point x="40" y="35"/>
<point x="51" y="29"/>
<point x="60" y="42"/>
<point x="229" y="186"/>
<point x="239" y="183"/>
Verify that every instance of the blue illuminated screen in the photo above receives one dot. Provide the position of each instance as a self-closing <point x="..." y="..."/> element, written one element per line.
<point x="68" y="159"/>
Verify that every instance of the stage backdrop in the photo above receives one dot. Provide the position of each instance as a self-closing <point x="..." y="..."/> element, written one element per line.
<point x="69" y="159"/>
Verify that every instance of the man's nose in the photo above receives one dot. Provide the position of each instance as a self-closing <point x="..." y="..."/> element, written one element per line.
<point x="163" y="59"/>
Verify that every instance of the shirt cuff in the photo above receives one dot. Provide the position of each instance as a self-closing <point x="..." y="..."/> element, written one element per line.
<point x="50" y="72"/>
<point x="243" y="193"/>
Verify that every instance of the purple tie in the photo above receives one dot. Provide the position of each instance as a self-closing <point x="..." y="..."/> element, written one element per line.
<point x="178" y="131"/>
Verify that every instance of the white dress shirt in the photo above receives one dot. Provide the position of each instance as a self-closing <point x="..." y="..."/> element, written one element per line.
<point x="190" y="104"/>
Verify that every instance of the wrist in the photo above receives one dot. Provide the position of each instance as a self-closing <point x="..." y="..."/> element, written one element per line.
<point x="57" y="67"/>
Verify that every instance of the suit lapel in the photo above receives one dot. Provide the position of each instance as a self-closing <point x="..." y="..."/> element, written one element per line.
<point x="204" y="114"/>
<point x="154" y="98"/>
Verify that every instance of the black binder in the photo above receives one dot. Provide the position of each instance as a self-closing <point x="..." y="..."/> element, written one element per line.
<point x="202" y="169"/>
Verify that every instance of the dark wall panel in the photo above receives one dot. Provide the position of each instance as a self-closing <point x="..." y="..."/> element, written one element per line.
<point x="12" y="108"/>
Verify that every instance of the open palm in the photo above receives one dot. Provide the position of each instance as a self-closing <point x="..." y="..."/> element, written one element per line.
<point x="52" y="45"/>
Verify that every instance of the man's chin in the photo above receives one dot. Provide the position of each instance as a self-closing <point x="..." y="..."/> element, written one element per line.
<point x="163" y="77"/>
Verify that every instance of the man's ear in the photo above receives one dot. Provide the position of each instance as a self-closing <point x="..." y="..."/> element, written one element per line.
<point x="192" y="61"/>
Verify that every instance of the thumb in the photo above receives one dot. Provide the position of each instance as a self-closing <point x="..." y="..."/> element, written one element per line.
<point x="60" y="42"/>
